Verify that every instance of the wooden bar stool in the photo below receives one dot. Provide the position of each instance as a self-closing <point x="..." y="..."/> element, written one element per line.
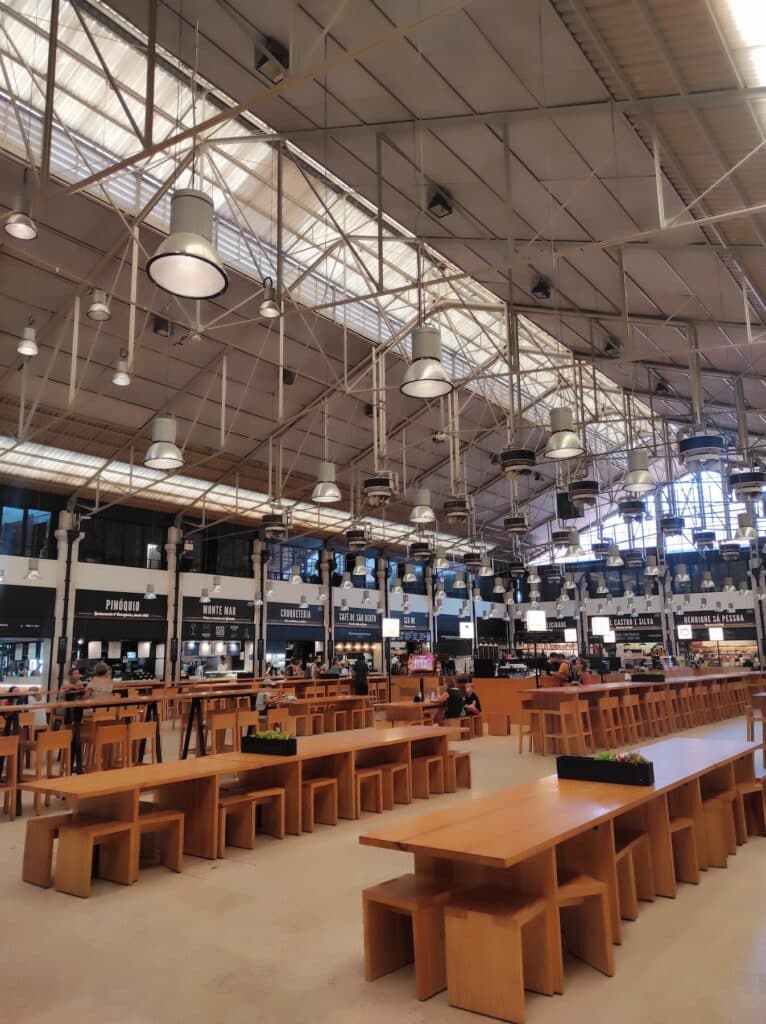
<point x="751" y="795"/>
<point x="427" y="775"/>
<point x="397" y="786"/>
<point x="141" y="732"/>
<point x="368" y="790"/>
<point x="686" y="703"/>
<point x="685" y="849"/>
<point x="715" y="698"/>
<point x="236" y="821"/>
<point x="161" y="835"/>
<point x="506" y="933"/>
<point x="38" y="847"/>
<point x="110" y="747"/>
<point x="51" y="752"/>
<point x="530" y="726"/>
<point x="458" y="770"/>
<point x="219" y="724"/>
<point x="404" y="921"/>
<point x="673" y="709"/>
<point x="609" y="724"/>
<point x="501" y="724"/>
<point x="248" y="721"/>
<point x="630" y="717"/>
<point x="562" y="728"/>
<point x="271" y="804"/>
<point x="319" y="803"/>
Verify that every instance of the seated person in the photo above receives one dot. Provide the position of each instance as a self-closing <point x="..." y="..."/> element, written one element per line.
<point x="101" y="684"/>
<point x="451" y="704"/>
<point x="578" y="670"/>
<point x="471" y="700"/>
<point x="562" y="672"/>
<point x="262" y="702"/>
<point x="335" y="670"/>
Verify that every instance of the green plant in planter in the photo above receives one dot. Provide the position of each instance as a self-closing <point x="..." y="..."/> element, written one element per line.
<point x="273" y="734"/>
<point x="628" y="757"/>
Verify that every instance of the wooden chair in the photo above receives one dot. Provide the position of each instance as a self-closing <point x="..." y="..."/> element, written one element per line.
<point x="277" y="718"/>
<point x="673" y="709"/>
<point x="530" y="726"/>
<point x="754" y="716"/>
<point x="507" y="935"/>
<point x="751" y="795"/>
<point x="141" y="732"/>
<point x="653" y="713"/>
<point x="562" y="729"/>
<point x="247" y="720"/>
<point x="219" y="724"/>
<point x="427" y="775"/>
<point x="477" y="724"/>
<point x="686" y="702"/>
<point x="319" y="803"/>
<point x="404" y="921"/>
<point x="502" y="724"/>
<point x="109" y="747"/>
<point x="685" y="849"/>
<point x="9" y="751"/>
<point x="335" y="720"/>
<point x="458" y="728"/>
<point x="362" y="718"/>
<point x="51" y="750"/>
<point x="458" y="770"/>
<point x="397" y="784"/>
<point x="236" y="821"/>
<point x="271" y="805"/>
<point x="117" y="842"/>
<point x="368" y="790"/>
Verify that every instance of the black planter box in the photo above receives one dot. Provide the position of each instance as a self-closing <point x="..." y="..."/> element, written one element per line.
<point x="588" y="769"/>
<point x="279" y="748"/>
<point x="648" y="677"/>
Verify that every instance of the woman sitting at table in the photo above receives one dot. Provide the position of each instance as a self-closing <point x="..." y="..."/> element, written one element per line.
<point x="101" y="684"/>
<point x="451" y="704"/>
<point x="578" y="671"/>
<point x="262" y="701"/>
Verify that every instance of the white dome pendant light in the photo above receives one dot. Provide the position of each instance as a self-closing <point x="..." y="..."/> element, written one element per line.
<point x="163" y="452"/>
<point x="426" y="377"/>
<point x="563" y="442"/>
<point x="186" y="263"/>
<point x="326" y="491"/>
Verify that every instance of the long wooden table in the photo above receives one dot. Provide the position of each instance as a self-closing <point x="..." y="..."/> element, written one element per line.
<point x="521" y="838"/>
<point x="192" y="786"/>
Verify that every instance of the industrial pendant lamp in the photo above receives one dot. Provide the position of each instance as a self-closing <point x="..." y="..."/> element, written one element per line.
<point x="163" y="452"/>
<point x="425" y="377"/>
<point x="295" y="575"/>
<point x="20" y="225"/>
<point x="204" y="596"/>
<point x="485" y="567"/>
<point x="638" y="479"/>
<point x="728" y="585"/>
<point x="269" y="306"/>
<point x="409" y="573"/>
<point x="396" y="587"/>
<point x="326" y="491"/>
<point x="563" y="442"/>
<point x="499" y="587"/>
<point x="303" y="602"/>
<point x="707" y="580"/>
<point x="360" y="569"/>
<point x="745" y="530"/>
<point x="99" y="310"/>
<point x="121" y="375"/>
<point x="574" y="548"/>
<point x="27" y="344"/>
<point x="186" y="263"/>
<point x="422" y="512"/>
<point x="33" y="569"/>
<point x="217" y="585"/>
<point x="614" y="558"/>
<point x="149" y="594"/>
<point x="682" y="576"/>
<point x="406" y="604"/>
<point x="440" y="559"/>
<point x="459" y="583"/>
<point x="346" y="583"/>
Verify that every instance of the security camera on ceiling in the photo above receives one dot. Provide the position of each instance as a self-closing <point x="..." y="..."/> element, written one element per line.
<point x="541" y="289"/>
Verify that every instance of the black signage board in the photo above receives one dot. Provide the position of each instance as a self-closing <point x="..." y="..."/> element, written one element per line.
<point x="357" y="624"/>
<point x="221" y="619"/>
<point x="26" y="612"/>
<point x="289" y="622"/>
<point x="554" y="634"/>
<point x="737" y="625"/>
<point x="414" y="626"/>
<point x="114" y="615"/>
<point x="491" y="629"/>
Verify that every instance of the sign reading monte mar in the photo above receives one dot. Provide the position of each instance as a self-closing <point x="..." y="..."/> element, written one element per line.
<point x="225" y="619"/>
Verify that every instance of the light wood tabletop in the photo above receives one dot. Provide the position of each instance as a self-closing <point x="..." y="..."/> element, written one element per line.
<point x="513" y="825"/>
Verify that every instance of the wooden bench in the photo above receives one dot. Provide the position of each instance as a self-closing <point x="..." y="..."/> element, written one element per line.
<point x="236" y="821"/>
<point x="458" y="771"/>
<point x="368" y="790"/>
<point x="404" y="920"/>
<point x="319" y="803"/>
<point x="427" y="775"/>
<point x="397" y="784"/>
<point x="584" y="911"/>
<point x="38" y="847"/>
<point x="118" y="853"/>
<point x="635" y="879"/>
<point x="167" y="826"/>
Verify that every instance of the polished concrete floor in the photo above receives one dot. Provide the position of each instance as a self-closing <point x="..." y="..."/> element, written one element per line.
<point x="274" y="935"/>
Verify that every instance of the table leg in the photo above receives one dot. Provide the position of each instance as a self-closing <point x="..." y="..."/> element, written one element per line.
<point x="76" y="754"/>
<point x="12" y="729"/>
<point x="193" y="709"/>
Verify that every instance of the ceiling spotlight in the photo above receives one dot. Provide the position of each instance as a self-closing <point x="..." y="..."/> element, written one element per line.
<point x="343" y="604"/>
<point x="205" y="596"/>
<point x="485" y="567"/>
<point x="409" y="573"/>
<point x="541" y="289"/>
<point x="638" y="479"/>
<point x="346" y="582"/>
<point x="396" y="587"/>
<point x="745" y="530"/>
<point x="322" y="596"/>
<point x="326" y="491"/>
<point x="98" y="309"/>
<point x="186" y="262"/>
<point x="216" y="584"/>
<point x="672" y="526"/>
<point x="747" y="483"/>
<point x="515" y="524"/>
<point x="707" y="580"/>
<point x="425" y="377"/>
<point x="574" y="547"/>
<point x="33" y="569"/>
<point x="149" y="594"/>
<point x="704" y="540"/>
<point x="20" y="225"/>
<point x="295" y="575"/>
<point x="27" y="343"/>
<point x="534" y="578"/>
<point x="563" y="442"/>
<point x="459" y="583"/>
<point x="583" y="493"/>
<point x="439" y="202"/>
<point x="269" y="306"/>
<point x="121" y="375"/>
<point x="360" y="569"/>
<point x="163" y="452"/>
<point x="499" y="587"/>
<point x="365" y="598"/>
<point x="422" y="512"/>
<point x="728" y="585"/>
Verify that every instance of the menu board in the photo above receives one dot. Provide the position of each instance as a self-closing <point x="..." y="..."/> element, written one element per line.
<point x="221" y="619"/>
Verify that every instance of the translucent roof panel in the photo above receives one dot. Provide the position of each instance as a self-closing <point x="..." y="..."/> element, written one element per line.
<point x="330" y="246"/>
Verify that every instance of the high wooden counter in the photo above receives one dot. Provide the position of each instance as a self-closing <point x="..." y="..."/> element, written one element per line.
<point x="502" y="696"/>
